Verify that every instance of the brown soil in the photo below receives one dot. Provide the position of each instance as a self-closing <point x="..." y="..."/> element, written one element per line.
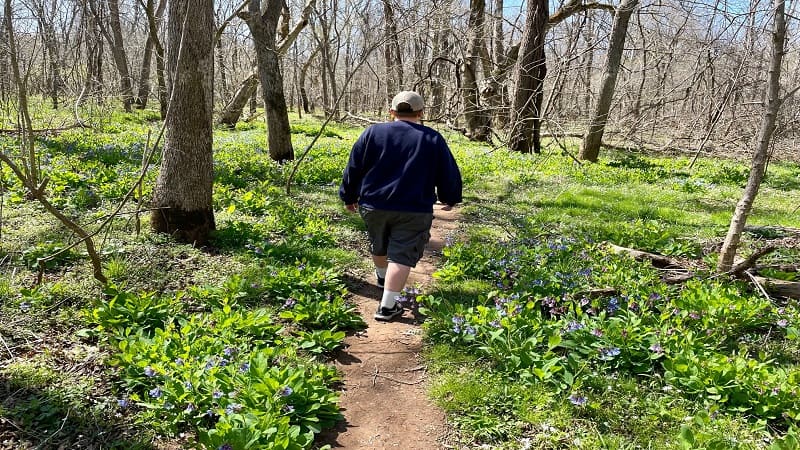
<point x="384" y="399"/>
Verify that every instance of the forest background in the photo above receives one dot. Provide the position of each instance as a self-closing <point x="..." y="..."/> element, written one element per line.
<point x="226" y="125"/>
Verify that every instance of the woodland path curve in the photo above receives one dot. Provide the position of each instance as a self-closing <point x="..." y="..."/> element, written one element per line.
<point x="384" y="398"/>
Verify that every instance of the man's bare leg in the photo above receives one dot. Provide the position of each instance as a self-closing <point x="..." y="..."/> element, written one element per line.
<point x="396" y="277"/>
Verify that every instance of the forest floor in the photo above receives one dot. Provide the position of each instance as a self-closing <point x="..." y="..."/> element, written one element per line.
<point x="384" y="399"/>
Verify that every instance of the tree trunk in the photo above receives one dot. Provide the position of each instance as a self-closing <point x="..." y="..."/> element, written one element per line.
<point x="263" y="28"/>
<point x="619" y="30"/>
<point x="117" y="44"/>
<point x="152" y="44"/>
<point x="302" y="81"/>
<point x="476" y="117"/>
<point x="768" y="120"/>
<point x="233" y="110"/>
<point x="530" y="71"/>
<point x="153" y="18"/>
<point x="55" y="80"/>
<point x="391" y="53"/>
<point x="5" y="82"/>
<point x="184" y="186"/>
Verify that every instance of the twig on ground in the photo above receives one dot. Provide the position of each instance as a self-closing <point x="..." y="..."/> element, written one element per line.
<point x="758" y="285"/>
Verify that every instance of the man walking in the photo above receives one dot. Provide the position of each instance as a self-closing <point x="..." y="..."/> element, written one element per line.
<point x="396" y="172"/>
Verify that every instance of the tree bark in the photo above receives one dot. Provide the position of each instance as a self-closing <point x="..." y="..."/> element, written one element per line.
<point x="117" y="43"/>
<point x="233" y="110"/>
<point x="184" y="185"/>
<point x="530" y="71"/>
<point x="5" y="82"/>
<point x="302" y="80"/>
<point x="475" y="115"/>
<point x="619" y="30"/>
<point x="153" y="17"/>
<point x="263" y="28"/>
<point x="768" y="120"/>
<point x="391" y="53"/>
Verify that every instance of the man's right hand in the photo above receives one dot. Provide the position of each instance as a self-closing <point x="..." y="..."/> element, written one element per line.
<point x="353" y="207"/>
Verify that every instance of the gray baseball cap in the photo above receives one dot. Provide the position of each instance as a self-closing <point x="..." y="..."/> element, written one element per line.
<point x="407" y="101"/>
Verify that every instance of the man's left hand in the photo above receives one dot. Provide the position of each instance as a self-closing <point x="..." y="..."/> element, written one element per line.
<point x="352" y="207"/>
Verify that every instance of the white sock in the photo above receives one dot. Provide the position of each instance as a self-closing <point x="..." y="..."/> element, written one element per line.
<point x="381" y="271"/>
<point x="388" y="300"/>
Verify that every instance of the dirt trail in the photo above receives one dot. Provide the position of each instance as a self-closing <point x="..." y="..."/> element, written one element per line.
<point x="383" y="400"/>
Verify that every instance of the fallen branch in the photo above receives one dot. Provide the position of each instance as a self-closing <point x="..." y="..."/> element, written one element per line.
<point x="781" y="288"/>
<point x="752" y="260"/>
<point x="362" y="119"/>
<point x="659" y="261"/>
<point x="44" y="130"/>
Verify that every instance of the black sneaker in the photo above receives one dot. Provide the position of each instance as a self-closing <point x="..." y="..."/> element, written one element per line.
<point x="387" y="314"/>
<point x="380" y="279"/>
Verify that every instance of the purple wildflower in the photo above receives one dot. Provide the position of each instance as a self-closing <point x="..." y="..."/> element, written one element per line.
<point x="178" y="362"/>
<point x="783" y="323"/>
<point x="149" y="372"/>
<point x="123" y="403"/>
<point x="188" y="385"/>
<point x="25" y="307"/>
<point x="225" y="447"/>
<point x="289" y="303"/>
<point x="578" y="400"/>
<point x="288" y="409"/>
<point x="656" y="348"/>
<point x="217" y="394"/>
<point x="228" y="351"/>
<point x="244" y="367"/>
<point x="189" y="408"/>
<point x="469" y="330"/>
<point x="233" y="408"/>
<point x="156" y="392"/>
<point x="597" y="332"/>
<point x="285" y="391"/>
<point x="574" y="326"/>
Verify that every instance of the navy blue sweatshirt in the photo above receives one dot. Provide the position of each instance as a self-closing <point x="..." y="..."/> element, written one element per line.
<point x="401" y="166"/>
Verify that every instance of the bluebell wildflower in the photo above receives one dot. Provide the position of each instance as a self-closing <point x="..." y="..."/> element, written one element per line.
<point x="285" y="391"/>
<point x="573" y="326"/>
<point x="597" y="332"/>
<point x="228" y="351"/>
<point x="149" y="372"/>
<point x="217" y="394"/>
<point x="469" y="330"/>
<point x="578" y="400"/>
<point x="613" y="305"/>
<point x="783" y="323"/>
<point x="244" y="367"/>
<point x="656" y="348"/>
<point x="289" y="303"/>
<point x="188" y="385"/>
<point x="123" y="402"/>
<point x="609" y="353"/>
<point x="155" y="392"/>
<point x="25" y="307"/>
<point x="179" y="362"/>
<point x="288" y="409"/>
<point x="233" y="408"/>
<point x="495" y="324"/>
<point x="189" y="408"/>
<point x="225" y="447"/>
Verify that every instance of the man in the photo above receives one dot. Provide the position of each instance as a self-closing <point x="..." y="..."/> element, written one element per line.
<point x="395" y="174"/>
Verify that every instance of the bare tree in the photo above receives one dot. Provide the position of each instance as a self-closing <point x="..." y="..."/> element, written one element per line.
<point x="526" y="103"/>
<point x="594" y="137"/>
<point x="758" y="164"/>
<point x="182" y="194"/>
<point x="475" y="113"/>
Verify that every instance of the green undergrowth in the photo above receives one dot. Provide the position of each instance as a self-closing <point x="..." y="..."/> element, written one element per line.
<point x="538" y="335"/>
<point x="551" y="339"/>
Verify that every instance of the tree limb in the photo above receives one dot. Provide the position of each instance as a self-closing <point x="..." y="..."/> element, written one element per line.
<point x="287" y="42"/>
<point x="574" y="7"/>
